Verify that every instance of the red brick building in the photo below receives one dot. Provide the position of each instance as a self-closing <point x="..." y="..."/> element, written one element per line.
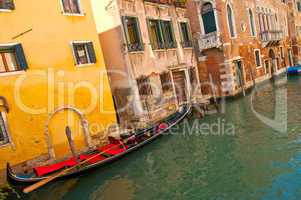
<point x="295" y="28"/>
<point x="240" y="42"/>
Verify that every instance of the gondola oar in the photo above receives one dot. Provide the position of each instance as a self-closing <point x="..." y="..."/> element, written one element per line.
<point x="55" y="176"/>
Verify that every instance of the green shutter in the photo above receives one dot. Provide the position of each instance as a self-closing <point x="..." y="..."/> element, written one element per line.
<point x="126" y="34"/>
<point x="139" y="34"/>
<point x="209" y="22"/>
<point x="91" y="52"/>
<point x="20" y="56"/>
<point x="173" y="35"/>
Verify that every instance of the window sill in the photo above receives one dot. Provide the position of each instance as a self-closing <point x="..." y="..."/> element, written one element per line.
<point x="84" y="65"/>
<point x="172" y="49"/>
<point x="6" y="145"/>
<point x="15" y="73"/>
<point x="74" y="14"/>
<point x="5" y="10"/>
<point x="187" y="47"/>
<point x="136" y="52"/>
<point x="159" y="50"/>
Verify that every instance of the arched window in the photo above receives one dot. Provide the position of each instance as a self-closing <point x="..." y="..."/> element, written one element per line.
<point x="208" y="17"/>
<point x="230" y="21"/>
<point x="252" y="24"/>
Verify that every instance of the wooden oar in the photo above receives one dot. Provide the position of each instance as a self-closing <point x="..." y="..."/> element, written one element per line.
<point x="55" y="176"/>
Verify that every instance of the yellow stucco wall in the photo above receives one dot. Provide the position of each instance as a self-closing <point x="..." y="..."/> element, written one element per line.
<point x="50" y="79"/>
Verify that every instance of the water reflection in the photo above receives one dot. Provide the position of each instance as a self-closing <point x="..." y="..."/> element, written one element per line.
<point x="256" y="163"/>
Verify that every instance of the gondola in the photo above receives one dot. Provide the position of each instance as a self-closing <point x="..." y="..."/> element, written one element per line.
<point x="140" y="139"/>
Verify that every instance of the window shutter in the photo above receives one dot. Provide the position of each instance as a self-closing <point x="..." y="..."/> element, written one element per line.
<point x="91" y="52"/>
<point x="181" y="33"/>
<point x="141" y="47"/>
<point x="125" y="28"/>
<point x="76" y="57"/>
<point x="20" y="56"/>
<point x="9" y="4"/>
<point x="175" y="45"/>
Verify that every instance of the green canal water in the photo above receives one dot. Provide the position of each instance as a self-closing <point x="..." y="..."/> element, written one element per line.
<point x="229" y="156"/>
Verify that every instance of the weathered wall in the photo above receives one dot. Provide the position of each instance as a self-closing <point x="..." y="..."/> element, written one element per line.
<point x="52" y="79"/>
<point x="242" y="46"/>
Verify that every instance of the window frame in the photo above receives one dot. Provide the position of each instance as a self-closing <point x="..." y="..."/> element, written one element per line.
<point x="189" y="43"/>
<point x="126" y="34"/>
<point x="5" y="128"/>
<point x="23" y="66"/>
<point x="81" y="12"/>
<point x="232" y="21"/>
<point x="160" y="36"/>
<point x="8" y="9"/>
<point x="253" y="30"/>
<point x="166" y="87"/>
<point x="282" y="53"/>
<point x="86" y="42"/>
<point x="260" y="61"/>
<point x="174" y="42"/>
<point x="206" y="28"/>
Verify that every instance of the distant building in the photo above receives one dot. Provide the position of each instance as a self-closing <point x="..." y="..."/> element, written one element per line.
<point x="149" y="53"/>
<point x="50" y="58"/>
<point x="295" y="29"/>
<point x="240" y="42"/>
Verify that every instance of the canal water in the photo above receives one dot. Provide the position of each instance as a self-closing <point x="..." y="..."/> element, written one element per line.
<point x="250" y="151"/>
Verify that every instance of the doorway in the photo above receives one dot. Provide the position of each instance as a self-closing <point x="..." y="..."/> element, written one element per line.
<point x="180" y="82"/>
<point x="274" y="61"/>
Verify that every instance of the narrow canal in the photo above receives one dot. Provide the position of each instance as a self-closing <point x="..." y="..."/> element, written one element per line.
<point x="236" y="155"/>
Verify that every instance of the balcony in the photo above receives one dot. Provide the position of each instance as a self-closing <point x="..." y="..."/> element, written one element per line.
<point x="270" y="38"/>
<point x="209" y="41"/>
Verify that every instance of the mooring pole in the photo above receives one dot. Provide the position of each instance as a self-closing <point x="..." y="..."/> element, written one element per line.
<point x="71" y="143"/>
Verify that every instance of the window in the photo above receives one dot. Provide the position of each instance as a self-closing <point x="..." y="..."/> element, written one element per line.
<point x="208" y="17"/>
<point x="230" y="21"/>
<point x="132" y="33"/>
<point x="252" y="24"/>
<point x="267" y="66"/>
<point x="144" y="86"/>
<point x="3" y="131"/>
<point x="155" y="34"/>
<point x="166" y="82"/>
<point x="257" y="58"/>
<point x="169" y="38"/>
<point x="71" y="6"/>
<point x="185" y="33"/>
<point x="84" y="53"/>
<point x="12" y="58"/>
<point x="299" y="6"/>
<point x="161" y="34"/>
<point x="282" y="52"/>
<point x="7" y="5"/>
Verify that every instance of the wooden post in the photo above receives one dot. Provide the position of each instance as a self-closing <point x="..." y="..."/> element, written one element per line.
<point x="71" y="142"/>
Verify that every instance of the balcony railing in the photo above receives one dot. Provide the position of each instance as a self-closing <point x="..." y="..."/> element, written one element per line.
<point x="177" y="3"/>
<point x="271" y="36"/>
<point x="208" y="41"/>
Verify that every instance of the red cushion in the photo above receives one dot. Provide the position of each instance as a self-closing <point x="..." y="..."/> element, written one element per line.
<point x="44" y="170"/>
<point x="113" y="149"/>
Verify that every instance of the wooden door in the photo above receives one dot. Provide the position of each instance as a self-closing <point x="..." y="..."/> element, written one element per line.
<point x="181" y="86"/>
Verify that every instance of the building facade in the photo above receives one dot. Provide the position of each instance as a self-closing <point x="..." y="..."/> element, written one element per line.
<point x="149" y="53"/>
<point x="52" y="75"/>
<point x="240" y="42"/>
<point x="295" y="29"/>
